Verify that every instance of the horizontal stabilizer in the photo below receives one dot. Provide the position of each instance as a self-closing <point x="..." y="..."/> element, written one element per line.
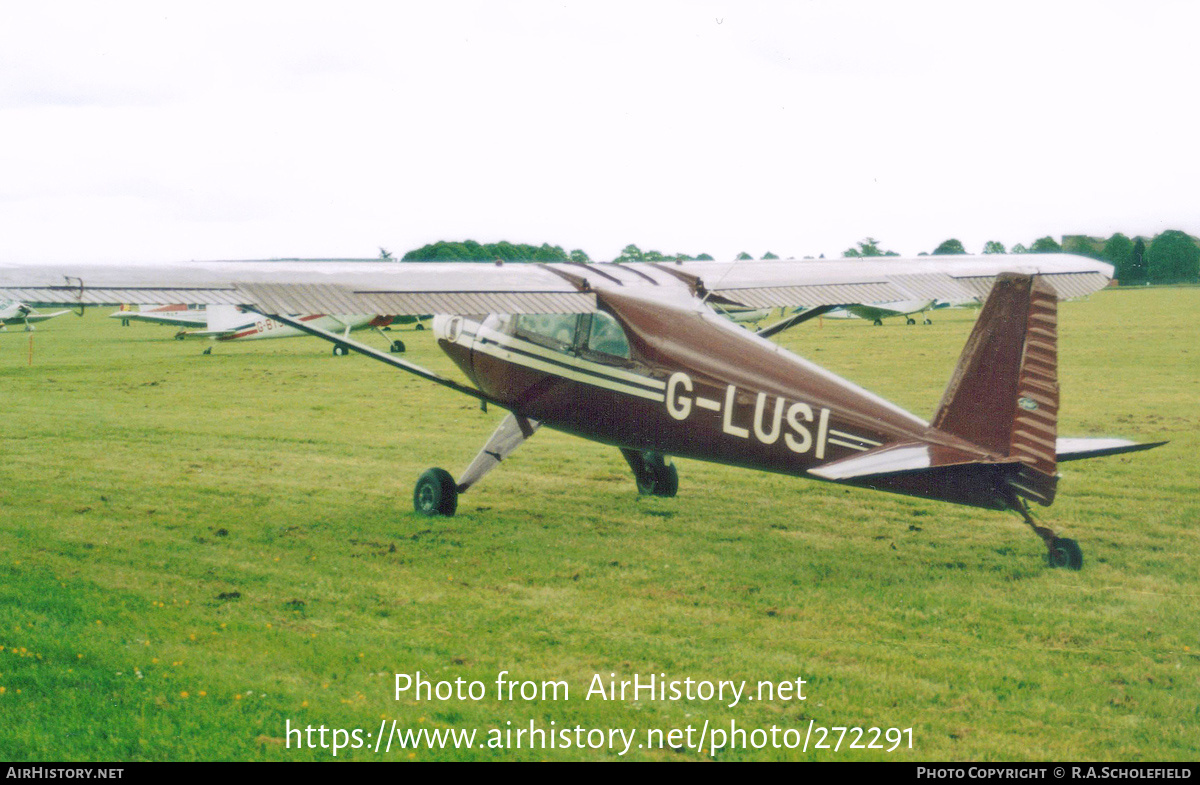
<point x="938" y="471"/>
<point x="1077" y="449"/>
<point x="905" y="457"/>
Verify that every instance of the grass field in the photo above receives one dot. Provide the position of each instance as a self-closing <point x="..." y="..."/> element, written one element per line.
<point x="197" y="550"/>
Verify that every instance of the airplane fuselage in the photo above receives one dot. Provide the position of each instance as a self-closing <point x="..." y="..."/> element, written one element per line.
<point x="693" y="385"/>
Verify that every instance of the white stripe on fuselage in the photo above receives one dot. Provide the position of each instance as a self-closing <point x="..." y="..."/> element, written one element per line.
<point x="515" y="350"/>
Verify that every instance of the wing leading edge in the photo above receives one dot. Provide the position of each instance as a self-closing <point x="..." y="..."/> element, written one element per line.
<point x="462" y="287"/>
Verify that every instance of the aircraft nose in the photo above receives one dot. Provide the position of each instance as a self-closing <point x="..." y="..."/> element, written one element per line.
<point x="447" y="327"/>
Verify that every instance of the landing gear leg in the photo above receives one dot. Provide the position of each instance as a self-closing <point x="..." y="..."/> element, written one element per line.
<point x="1061" y="551"/>
<point x="654" y="473"/>
<point x="437" y="492"/>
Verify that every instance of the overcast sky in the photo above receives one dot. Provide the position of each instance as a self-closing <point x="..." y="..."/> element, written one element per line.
<point x="170" y="131"/>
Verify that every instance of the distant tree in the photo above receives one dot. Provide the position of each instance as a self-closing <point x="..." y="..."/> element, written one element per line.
<point x="949" y="247"/>
<point x="1081" y="246"/>
<point x="769" y="255"/>
<point x="471" y="251"/>
<point x="704" y="258"/>
<point x="743" y="256"/>
<point x="550" y="253"/>
<point x="868" y="246"/>
<point x="579" y="256"/>
<point x="1173" y="257"/>
<point x="1018" y="248"/>
<point x="994" y="246"/>
<point x="1137" y="264"/>
<point x="1118" y="252"/>
<point x="1045" y="244"/>
<point x="630" y="253"/>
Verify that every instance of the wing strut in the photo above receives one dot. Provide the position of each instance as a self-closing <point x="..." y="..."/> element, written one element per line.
<point x="509" y="435"/>
<point x="375" y="354"/>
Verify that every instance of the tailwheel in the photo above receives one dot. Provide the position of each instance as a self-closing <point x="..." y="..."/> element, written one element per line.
<point x="340" y="350"/>
<point x="1065" y="552"/>
<point x="397" y="347"/>
<point x="436" y="493"/>
<point x="1061" y="551"/>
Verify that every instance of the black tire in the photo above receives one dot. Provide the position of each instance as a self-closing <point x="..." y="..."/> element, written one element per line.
<point x="340" y="350"/>
<point x="1065" y="552"/>
<point x="661" y="478"/>
<point x="910" y="320"/>
<point x="420" y="326"/>
<point x="878" y="322"/>
<point x="397" y="347"/>
<point x="436" y="493"/>
<point x="667" y="482"/>
<point x="928" y="321"/>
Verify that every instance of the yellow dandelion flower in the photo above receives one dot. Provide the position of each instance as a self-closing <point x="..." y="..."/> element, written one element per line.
<point x="237" y="697"/>
<point x="183" y="694"/>
<point x="304" y="704"/>
<point x="79" y="656"/>
<point x="203" y="694"/>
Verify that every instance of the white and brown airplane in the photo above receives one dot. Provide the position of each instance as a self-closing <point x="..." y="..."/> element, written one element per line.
<point x="633" y="355"/>
<point x="232" y="323"/>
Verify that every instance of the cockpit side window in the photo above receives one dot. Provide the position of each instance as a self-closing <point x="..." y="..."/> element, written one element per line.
<point x="597" y="335"/>
<point x="605" y="336"/>
<point x="553" y="330"/>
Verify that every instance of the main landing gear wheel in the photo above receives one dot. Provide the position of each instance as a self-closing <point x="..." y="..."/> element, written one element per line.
<point x="660" y="478"/>
<point x="878" y="322"/>
<point x="910" y="320"/>
<point x="340" y="350"/>
<point x="397" y="347"/>
<point x="436" y="493"/>
<point x="1065" y="552"/>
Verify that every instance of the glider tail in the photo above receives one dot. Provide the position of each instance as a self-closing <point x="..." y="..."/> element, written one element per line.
<point x="1003" y="395"/>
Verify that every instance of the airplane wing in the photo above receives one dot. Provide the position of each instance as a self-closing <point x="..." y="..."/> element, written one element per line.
<point x="33" y="317"/>
<point x="768" y="284"/>
<point x="184" y="318"/>
<point x="330" y="286"/>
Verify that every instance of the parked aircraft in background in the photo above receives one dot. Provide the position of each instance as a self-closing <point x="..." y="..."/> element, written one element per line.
<point x="632" y="355"/>
<point x="233" y="323"/>
<point x="230" y="323"/>
<point x="877" y="312"/>
<point x="12" y="312"/>
<point x="176" y="315"/>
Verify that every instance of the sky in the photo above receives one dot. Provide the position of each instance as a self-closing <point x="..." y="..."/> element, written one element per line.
<point x="164" y="131"/>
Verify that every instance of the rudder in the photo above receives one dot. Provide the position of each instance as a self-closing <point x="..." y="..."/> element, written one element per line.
<point x="1003" y="395"/>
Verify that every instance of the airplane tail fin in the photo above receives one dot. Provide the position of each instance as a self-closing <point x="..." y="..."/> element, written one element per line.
<point x="226" y="318"/>
<point x="1002" y="400"/>
<point x="1003" y="395"/>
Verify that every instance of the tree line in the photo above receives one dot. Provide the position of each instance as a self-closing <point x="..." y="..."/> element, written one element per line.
<point x="1170" y="257"/>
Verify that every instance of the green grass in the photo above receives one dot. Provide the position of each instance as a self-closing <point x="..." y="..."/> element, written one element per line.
<point x="197" y="549"/>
